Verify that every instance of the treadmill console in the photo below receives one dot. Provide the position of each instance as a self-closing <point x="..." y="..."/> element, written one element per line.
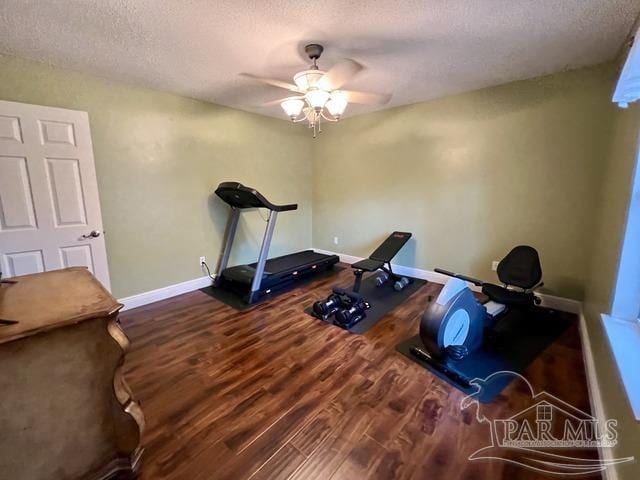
<point x="239" y="196"/>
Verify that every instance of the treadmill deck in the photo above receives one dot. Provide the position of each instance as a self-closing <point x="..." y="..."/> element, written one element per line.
<point x="279" y="267"/>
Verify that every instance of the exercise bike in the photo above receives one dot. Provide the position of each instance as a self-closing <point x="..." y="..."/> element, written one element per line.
<point x="349" y="307"/>
<point x="457" y="324"/>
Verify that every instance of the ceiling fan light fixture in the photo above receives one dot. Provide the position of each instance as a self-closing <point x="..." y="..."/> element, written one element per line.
<point x="312" y="117"/>
<point x="307" y="79"/>
<point x="292" y="107"/>
<point x="317" y="99"/>
<point x="337" y="103"/>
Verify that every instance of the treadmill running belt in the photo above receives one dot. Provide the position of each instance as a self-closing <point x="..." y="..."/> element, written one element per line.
<point x="291" y="261"/>
<point x="236" y="302"/>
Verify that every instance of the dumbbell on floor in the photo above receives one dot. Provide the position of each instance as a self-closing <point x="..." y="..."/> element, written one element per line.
<point x="381" y="279"/>
<point x="326" y="308"/>
<point x="400" y="284"/>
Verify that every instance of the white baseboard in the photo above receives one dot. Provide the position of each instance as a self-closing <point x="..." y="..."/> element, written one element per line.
<point x="165" y="292"/>
<point x="597" y="406"/>
<point x="550" y="301"/>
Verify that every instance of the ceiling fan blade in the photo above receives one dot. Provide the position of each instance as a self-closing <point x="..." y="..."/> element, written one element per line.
<point x="339" y="74"/>
<point x="367" y="97"/>
<point x="274" y="82"/>
<point x="279" y="101"/>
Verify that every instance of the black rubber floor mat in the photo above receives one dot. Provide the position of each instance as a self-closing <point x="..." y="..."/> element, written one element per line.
<point x="382" y="299"/>
<point x="521" y="339"/>
<point x="236" y="302"/>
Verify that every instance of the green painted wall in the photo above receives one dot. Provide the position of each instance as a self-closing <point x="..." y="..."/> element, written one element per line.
<point x="469" y="175"/>
<point x="158" y="159"/>
<point x="472" y="176"/>
<point x="547" y="162"/>
<point x="617" y="178"/>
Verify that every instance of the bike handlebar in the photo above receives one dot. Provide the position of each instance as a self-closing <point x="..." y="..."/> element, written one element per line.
<point x="466" y="278"/>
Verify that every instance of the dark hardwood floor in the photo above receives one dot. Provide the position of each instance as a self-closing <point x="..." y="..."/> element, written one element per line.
<point x="272" y="393"/>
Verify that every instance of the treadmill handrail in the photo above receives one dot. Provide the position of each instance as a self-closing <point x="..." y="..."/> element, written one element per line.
<point x="225" y="189"/>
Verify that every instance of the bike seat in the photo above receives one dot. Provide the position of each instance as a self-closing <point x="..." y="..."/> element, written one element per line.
<point x="507" y="297"/>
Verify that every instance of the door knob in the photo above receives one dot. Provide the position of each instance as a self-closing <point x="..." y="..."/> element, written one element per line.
<point x="92" y="234"/>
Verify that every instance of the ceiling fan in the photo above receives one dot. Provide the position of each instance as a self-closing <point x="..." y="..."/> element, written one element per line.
<point x="320" y="96"/>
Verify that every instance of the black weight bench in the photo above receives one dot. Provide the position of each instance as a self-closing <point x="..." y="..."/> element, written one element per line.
<point x="381" y="258"/>
<point x="371" y="298"/>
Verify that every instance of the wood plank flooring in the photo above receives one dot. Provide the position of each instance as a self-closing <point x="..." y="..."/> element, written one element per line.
<point x="272" y="393"/>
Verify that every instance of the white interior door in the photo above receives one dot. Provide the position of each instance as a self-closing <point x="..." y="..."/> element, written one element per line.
<point x="49" y="207"/>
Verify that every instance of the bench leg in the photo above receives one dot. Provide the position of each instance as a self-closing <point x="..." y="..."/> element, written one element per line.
<point x="356" y="285"/>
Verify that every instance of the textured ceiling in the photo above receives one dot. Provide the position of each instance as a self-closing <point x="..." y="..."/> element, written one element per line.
<point x="415" y="50"/>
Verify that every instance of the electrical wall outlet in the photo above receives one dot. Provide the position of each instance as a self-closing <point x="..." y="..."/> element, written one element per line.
<point x="203" y="260"/>
<point x="335" y="240"/>
<point x="494" y="265"/>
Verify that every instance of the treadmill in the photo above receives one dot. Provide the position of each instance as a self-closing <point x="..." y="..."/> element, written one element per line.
<point x="265" y="276"/>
